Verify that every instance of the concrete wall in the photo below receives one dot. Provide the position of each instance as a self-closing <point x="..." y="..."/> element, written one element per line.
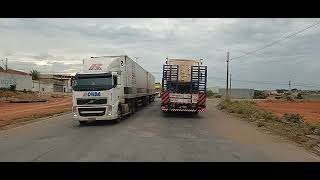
<point x="49" y="87"/>
<point x="67" y="88"/>
<point x="21" y="81"/>
<point x="44" y="87"/>
<point x="238" y="93"/>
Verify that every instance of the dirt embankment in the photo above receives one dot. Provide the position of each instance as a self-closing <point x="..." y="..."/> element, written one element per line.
<point x="17" y="112"/>
<point x="309" y="110"/>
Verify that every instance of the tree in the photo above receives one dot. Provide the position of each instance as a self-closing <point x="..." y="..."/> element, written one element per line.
<point x="259" y="94"/>
<point x="210" y="93"/>
<point x="299" y="96"/>
<point x="12" y="87"/>
<point x="280" y="90"/>
<point x="35" y="74"/>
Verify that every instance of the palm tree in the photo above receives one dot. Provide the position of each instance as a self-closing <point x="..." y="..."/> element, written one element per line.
<point x="35" y="74"/>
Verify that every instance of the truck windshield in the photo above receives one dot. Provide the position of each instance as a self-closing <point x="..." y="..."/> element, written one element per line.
<point x="93" y="83"/>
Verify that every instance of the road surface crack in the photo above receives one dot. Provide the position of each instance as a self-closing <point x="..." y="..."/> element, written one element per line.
<point x="43" y="154"/>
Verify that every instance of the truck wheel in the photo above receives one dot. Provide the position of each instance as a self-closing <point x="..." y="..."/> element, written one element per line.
<point x="165" y="113"/>
<point x="83" y="123"/>
<point x="119" y="113"/>
<point x="133" y="107"/>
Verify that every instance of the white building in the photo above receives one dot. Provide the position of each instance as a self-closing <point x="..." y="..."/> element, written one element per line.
<point x="22" y="80"/>
<point x="53" y="83"/>
<point x="236" y="93"/>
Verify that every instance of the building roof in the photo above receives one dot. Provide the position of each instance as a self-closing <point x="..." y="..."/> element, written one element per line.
<point x="12" y="71"/>
<point x="55" y="76"/>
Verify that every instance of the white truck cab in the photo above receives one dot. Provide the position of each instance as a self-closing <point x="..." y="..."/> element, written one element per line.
<point x="107" y="87"/>
<point x="96" y="96"/>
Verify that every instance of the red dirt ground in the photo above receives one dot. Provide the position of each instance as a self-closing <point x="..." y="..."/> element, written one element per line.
<point x="309" y="110"/>
<point x="10" y="112"/>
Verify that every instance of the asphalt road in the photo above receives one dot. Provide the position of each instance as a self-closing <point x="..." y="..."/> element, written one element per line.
<point x="148" y="136"/>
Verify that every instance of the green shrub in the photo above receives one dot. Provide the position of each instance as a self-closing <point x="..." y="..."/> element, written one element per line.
<point x="312" y="128"/>
<point x="4" y="89"/>
<point x="293" y="118"/>
<point x="210" y="93"/>
<point x="289" y="98"/>
<point x="259" y="95"/>
<point x="268" y="116"/>
<point x="12" y="87"/>
<point x="260" y="124"/>
<point x="244" y="108"/>
<point x="299" y="96"/>
<point x="217" y="96"/>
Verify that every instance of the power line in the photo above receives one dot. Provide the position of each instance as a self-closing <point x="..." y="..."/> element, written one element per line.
<point x="277" y="41"/>
<point x="280" y="58"/>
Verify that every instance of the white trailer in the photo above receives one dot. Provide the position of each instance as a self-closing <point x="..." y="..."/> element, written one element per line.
<point x="110" y="87"/>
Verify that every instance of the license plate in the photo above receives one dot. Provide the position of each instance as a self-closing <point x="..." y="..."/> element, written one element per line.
<point x="92" y="119"/>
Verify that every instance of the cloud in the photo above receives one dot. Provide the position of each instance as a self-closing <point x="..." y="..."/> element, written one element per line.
<point x="59" y="45"/>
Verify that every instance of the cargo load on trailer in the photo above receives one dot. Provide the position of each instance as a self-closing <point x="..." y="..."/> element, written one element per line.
<point x="110" y="87"/>
<point x="184" y="86"/>
<point x="158" y="89"/>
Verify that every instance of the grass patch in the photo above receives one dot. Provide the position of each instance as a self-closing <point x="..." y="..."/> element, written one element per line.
<point x="293" y="118"/>
<point x="289" y="125"/>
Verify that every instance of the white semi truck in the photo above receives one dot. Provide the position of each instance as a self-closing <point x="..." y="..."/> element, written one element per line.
<point x="110" y="87"/>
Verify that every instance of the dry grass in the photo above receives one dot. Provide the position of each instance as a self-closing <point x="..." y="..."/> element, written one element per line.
<point x="289" y="125"/>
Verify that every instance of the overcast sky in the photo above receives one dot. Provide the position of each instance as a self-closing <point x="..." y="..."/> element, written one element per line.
<point x="59" y="45"/>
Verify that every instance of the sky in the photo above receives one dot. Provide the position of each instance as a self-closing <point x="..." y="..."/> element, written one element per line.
<point x="59" y="45"/>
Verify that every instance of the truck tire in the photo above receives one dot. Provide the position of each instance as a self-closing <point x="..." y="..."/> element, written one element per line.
<point x="83" y="123"/>
<point x="133" y="107"/>
<point x="144" y="103"/>
<point x="119" y="112"/>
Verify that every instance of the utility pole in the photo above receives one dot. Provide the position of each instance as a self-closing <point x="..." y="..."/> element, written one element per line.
<point x="289" y="86"/>
<point x="39" y="85"/>
<point x="6" y="64"/>
<point x="230" y="87"/>
<point x="227" y="85"/>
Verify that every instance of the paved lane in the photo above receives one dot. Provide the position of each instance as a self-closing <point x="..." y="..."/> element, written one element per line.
<point x="147" y="136"/>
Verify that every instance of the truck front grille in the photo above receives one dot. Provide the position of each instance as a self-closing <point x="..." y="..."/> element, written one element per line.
<point x="91" y="101"/>
<point x="91" y="111"/>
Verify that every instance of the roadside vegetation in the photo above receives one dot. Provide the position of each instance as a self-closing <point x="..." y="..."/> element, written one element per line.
<point x="259" y="95"/>
<point x="289" y="125"/>
<point x="211" y="94"/>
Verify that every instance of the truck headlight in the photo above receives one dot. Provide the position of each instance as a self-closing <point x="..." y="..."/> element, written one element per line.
<point x="74" y="110"/>
<point x="109" y="110"/>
